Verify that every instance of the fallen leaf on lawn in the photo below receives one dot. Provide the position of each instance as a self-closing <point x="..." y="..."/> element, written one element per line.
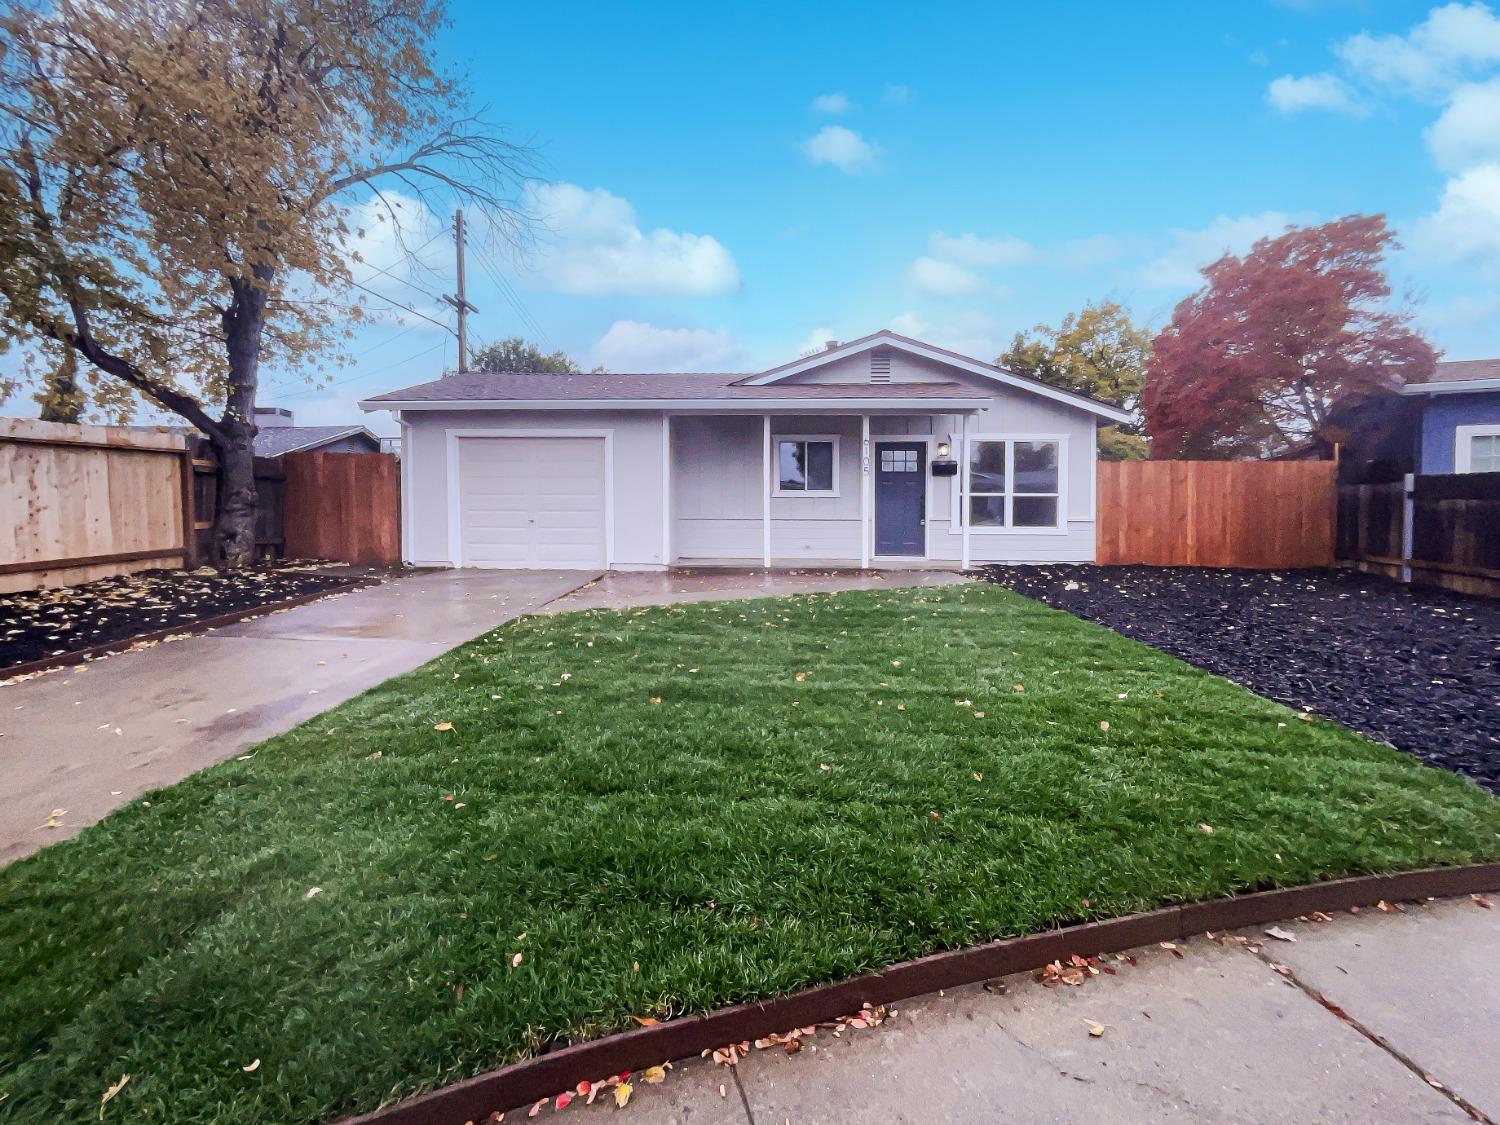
<point x="1017" y="687"/>
<point x="1206" y="829"/>
<point x="1104" y="726"/>
<point x="250" y="1068"/>
<point x="800" y="676"/>
<point x="1096" y="1029"/>
<point x="1304" y="716"/>
<point x="656" y="699"/>
<point x="312" y="892"/>
<point x="653" y="1076"/>
<point x="111" y="1092"/>
<point x="442" y="726"/>
<point x="646" y="1021"/>
<point x="622" y="1094"/>
<point x="515" y="961"/>
<point x="978" y="776"/>
<point x="1280" y="934"/>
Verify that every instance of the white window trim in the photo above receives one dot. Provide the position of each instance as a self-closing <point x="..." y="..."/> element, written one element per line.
<point x="958" y="498"/>
<point x="811" y="493"/>
<point x="1463" y="448"/>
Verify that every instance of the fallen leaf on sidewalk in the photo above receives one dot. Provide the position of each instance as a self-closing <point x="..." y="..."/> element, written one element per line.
<point x="653" y="1076"/>
<point x="1480" y="900"/>
<point x="1280" y="934"/>
<point x="1096" y="1029"/>
<point x="622" y="1094"/>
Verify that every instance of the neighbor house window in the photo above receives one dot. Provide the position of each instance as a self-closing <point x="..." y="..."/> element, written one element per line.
<point x="807" y="466"/>
<point x="1477" y="449"/>
<point x="1015" y="483"/>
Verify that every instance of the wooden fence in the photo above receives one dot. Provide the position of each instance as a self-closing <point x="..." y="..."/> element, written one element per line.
<point x="1216" y="513"/>
<point x="84" y="502"/>
<point x="79" y="503"/>
<point x="1441" y="530"/>
<point x="343" y="506"/>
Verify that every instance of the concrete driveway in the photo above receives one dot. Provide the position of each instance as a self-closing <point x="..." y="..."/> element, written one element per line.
<point x="88" y="739"/>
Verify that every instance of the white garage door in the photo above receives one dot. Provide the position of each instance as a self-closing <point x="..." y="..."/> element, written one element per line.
<point x="531" y="502"/>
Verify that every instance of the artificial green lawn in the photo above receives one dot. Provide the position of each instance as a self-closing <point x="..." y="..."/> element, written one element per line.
<point x="748" y="834"/>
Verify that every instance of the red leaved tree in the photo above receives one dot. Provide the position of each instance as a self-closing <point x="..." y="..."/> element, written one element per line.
<point x="1252" y="364"/>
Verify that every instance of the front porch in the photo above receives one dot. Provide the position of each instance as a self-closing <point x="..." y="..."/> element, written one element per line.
<point x="815" y="491"/>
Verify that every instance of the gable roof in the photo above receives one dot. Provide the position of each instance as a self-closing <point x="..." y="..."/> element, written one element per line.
<point x="885" y="338"/>
<point x="274" y="441"/>
<point x="1459" y="376"/>
<point x="706" y="389"/>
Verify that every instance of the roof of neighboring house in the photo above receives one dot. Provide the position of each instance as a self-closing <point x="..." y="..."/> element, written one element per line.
<point x="1459" y="376"/>
<point x="525" y="386"/>
<point x="635" y="390"/>
<point x="273" y="441"/>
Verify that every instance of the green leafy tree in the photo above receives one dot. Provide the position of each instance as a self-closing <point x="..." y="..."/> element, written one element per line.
<point x="516" y="354"/>
<point x="1098" y="351"/>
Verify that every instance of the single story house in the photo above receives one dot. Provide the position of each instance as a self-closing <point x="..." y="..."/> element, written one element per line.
<point x="278" y="434"/>
<point x="882" y="451"/>
<point x="1459" y="429"/>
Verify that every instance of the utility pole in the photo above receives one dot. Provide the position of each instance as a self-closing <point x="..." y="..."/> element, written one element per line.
<point x="459" y="302"/>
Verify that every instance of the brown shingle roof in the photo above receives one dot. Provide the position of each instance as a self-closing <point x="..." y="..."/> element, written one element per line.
<point x="1462" y="370"/>
<point x="517" y="386"/>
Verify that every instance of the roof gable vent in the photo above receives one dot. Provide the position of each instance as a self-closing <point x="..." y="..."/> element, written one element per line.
<point x="880" y="365"/>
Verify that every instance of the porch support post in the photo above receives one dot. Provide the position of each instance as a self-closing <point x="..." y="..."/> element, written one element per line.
<point x="666" y="489"/>
<point x="864" y="491"/>
<point x="963" y="491"/>
<point x="765" y="495"/>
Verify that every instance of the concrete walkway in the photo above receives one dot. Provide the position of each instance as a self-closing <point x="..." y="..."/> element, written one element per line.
<point x="1218" y="1035"/>
<point x="88" y="739"/>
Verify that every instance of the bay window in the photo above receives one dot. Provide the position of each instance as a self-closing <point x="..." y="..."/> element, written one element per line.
<point x="1015" y="483"/>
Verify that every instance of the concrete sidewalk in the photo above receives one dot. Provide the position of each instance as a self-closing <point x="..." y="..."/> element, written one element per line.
<point x="1218" y="1035"/>
<point x="90" y="738"/>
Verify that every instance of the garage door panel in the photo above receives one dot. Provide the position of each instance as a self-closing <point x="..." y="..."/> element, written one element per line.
<point x="532" y="501"/>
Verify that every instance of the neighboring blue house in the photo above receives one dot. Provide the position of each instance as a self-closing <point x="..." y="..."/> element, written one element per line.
<point x="1459" y="430"/>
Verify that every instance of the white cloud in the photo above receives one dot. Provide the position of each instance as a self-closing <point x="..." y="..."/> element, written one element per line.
<point x="630" y="345"/>
<point x="1468" y="132"/>
<point x="896" y="94"/>
<point x="816" y="341"/>
<point x="843" y="148"/>
<point x="944" y="279"/>
<point x="969" y="333"/>
<point x="591" y="244"/>
<point x="1438" y="53"/>
<point x="833" y="104"/>
<point x="1190" y="250"/>
<point x="394" y="247"/>
<point x="981" y="253"/>
<point x="1466" y="224"/>
<point x="1290" y="94"/>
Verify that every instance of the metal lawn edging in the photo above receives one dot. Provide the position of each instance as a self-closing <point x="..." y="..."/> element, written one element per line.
<point x="530" y="1080"/>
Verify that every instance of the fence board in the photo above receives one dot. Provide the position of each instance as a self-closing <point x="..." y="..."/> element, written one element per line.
<point x="1455" y="530"/>
<point x="86" y="502"/>
<point x="1216" y="513"/>
<point x="343" y="507"/>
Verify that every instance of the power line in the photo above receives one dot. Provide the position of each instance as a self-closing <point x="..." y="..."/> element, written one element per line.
<point x="512" y="298"/>
<point x="365" y="374"/>
<point x="399" y="305"/>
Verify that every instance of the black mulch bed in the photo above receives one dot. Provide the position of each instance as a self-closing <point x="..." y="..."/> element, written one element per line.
<point x="38" y="624"/>
<point x="1419" y="669"/>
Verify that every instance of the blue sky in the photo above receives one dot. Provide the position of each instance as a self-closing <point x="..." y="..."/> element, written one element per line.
<point x="731" y="185"/>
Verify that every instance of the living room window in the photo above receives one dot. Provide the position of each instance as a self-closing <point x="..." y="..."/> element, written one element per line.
<point x="807" y="466"/>
<point x="1015" y="483"/>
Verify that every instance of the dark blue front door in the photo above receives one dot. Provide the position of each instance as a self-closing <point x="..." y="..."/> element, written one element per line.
<point x="901" y="498"/>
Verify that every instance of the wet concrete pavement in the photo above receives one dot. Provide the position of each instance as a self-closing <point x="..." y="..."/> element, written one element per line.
<point x="90" y="738"/>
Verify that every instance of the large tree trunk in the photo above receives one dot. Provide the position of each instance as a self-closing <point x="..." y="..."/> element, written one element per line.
<point x="234" y="519"/>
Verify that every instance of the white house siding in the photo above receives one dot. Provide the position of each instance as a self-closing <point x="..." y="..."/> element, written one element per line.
<point x="635" y="468"/>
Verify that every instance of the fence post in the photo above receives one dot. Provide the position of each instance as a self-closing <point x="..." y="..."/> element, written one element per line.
<point x="1408" y="515"/>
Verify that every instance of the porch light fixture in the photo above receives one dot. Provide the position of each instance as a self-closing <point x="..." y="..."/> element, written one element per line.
<point x="944" y="450"/>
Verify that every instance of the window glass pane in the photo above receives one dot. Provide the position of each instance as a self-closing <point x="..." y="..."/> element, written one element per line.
<point x="987" y="466"/>
<point x="790" y="458"/>
<point x="819" y="466"/>
<point x="987" y="511"/>
<point x="1036" y="467"/>
<point x="1484" y="453"/>
<point x="1036" y="511"/>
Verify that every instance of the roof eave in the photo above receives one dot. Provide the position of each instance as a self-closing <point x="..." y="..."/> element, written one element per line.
<point x="721" y="405"/>
<point x="1451" y="387"/>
